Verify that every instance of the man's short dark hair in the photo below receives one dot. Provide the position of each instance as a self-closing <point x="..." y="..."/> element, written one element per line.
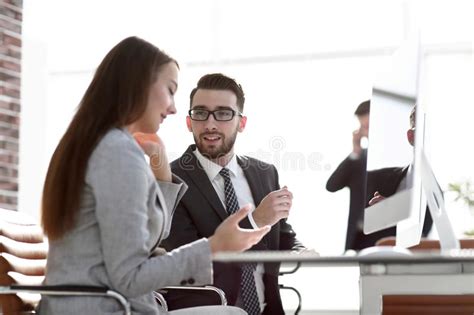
<point x="218" y="81"/>
<point x="363" y="108"/>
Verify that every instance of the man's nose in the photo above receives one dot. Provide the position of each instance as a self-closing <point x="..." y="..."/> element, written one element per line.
<point x="211" y="122"/>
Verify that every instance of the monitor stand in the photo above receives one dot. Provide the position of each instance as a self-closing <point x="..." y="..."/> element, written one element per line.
<point x="435" y="200"/>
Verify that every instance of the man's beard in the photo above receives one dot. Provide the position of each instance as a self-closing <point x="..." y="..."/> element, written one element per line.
<point x="216" y="151"/>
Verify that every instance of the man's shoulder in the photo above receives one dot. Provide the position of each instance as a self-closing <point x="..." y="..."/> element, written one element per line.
<point x="250" y="162"/>
<point x="386" y="171"/>
<point x="183" y="159"/>
<point x="186" y="161"/>
<point x="386" y="177"/>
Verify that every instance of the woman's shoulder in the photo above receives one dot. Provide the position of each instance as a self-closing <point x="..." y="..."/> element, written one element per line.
<point x="117" y="159"/>
<point x="118" y="139"/>
<point x="116" y="145"/>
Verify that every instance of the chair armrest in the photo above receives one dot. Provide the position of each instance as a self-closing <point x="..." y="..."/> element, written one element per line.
<point x="166" y="291"/>
<point x="161" y="300"/>
<point x="68" y="290"/>
<point x="291" y="271"/>
<point x="284" y="287"/>
<point x="218" y="291"/>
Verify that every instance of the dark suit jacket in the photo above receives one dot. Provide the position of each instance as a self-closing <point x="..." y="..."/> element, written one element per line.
<point x="386" y="182"/>
<point x="351" y="173"/>
<point x="200" y="211"/>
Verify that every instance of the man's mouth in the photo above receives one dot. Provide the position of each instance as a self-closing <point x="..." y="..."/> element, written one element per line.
<point x="212" y="138"/>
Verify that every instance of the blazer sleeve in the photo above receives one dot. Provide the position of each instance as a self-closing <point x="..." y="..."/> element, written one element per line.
<point x="120" y="181"/>
<point x="341" y="177"/>
<point x="288" y="240"/>
<point x="183" y="229"/>
<point x="173" y="192"/>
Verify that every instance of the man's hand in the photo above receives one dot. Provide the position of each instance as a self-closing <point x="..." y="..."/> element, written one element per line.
<point x="274" y="207"/>
<point x="154" y="147"/>
<point x="377" y="198"/>
<point x="230" y="237"/>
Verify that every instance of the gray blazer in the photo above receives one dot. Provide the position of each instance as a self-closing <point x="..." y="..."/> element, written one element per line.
<point x="124" y="215"/>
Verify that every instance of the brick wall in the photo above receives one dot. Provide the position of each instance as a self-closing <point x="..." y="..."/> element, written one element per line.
<point x="10" y="75"/>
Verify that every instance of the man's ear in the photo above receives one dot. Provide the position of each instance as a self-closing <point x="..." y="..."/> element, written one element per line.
<point x="242" y="123"/>
<point x="188" y="123"/>
<point x="411" y="136"/>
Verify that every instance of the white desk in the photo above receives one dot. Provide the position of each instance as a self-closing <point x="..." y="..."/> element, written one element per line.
<point x="420" y="273"/>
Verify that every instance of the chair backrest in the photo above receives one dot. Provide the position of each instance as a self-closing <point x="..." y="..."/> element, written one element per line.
<point x="397" y="304"/>
<point x="425" y="244"/>
<point x="23" y="252"/>
<point x="428" y="304"/>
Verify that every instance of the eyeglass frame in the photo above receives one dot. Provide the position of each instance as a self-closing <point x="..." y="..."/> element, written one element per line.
<point x="212" y="112"/>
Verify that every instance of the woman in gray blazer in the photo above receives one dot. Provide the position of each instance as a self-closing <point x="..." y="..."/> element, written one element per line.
<point x="105" y="210"/>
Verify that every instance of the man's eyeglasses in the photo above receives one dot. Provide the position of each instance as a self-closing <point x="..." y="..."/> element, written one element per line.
<point x="219" y="114"/>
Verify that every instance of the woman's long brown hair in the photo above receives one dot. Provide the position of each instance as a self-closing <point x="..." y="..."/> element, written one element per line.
<point x="116" y="97"/>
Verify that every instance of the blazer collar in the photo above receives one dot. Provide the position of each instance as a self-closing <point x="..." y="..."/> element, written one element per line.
<point x="190" y="164"/>
<point x="212" y="169"/>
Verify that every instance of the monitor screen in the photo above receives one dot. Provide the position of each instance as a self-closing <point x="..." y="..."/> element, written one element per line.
<point x="392" y="155"/>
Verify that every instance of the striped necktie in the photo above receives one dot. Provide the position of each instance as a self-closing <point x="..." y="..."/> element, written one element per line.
<point x="248" y="289"/>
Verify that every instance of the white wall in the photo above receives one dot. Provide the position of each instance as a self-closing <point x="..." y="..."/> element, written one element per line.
<point x="304" y="66"/>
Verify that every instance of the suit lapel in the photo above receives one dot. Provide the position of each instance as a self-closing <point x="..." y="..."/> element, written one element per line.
<point x="253" y="179"/>
<point x="255" y="184"/>
<point x="190" y="165"/>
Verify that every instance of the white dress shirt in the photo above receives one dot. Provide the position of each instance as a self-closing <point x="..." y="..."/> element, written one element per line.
<point x="244" y="197"/>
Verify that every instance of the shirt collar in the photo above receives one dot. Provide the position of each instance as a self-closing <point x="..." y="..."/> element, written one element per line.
<point x="212" y="169"/>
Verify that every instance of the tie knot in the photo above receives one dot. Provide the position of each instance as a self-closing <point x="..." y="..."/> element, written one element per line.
<point x="224" y="172"/>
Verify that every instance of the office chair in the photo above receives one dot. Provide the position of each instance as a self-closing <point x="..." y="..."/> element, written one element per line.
<point x="169" y="297"/>
<point x="23" y="254"/>
<point x="284" y="287"/>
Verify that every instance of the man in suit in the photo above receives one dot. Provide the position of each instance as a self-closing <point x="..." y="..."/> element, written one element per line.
<point x="385" y="182"/>
<point x="219" y="182"/>
<point x="351" y="173"/>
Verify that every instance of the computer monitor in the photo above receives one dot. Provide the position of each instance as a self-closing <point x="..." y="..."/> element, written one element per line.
<point x="395" y="93"/>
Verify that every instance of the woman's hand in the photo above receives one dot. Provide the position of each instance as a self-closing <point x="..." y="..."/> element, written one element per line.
<point x="154" y="147"/>
<point x="230" y="237"/>
<point x="158" y="251"/>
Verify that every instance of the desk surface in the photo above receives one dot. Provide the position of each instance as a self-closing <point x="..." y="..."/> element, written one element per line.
<point x="422" y="257"/>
